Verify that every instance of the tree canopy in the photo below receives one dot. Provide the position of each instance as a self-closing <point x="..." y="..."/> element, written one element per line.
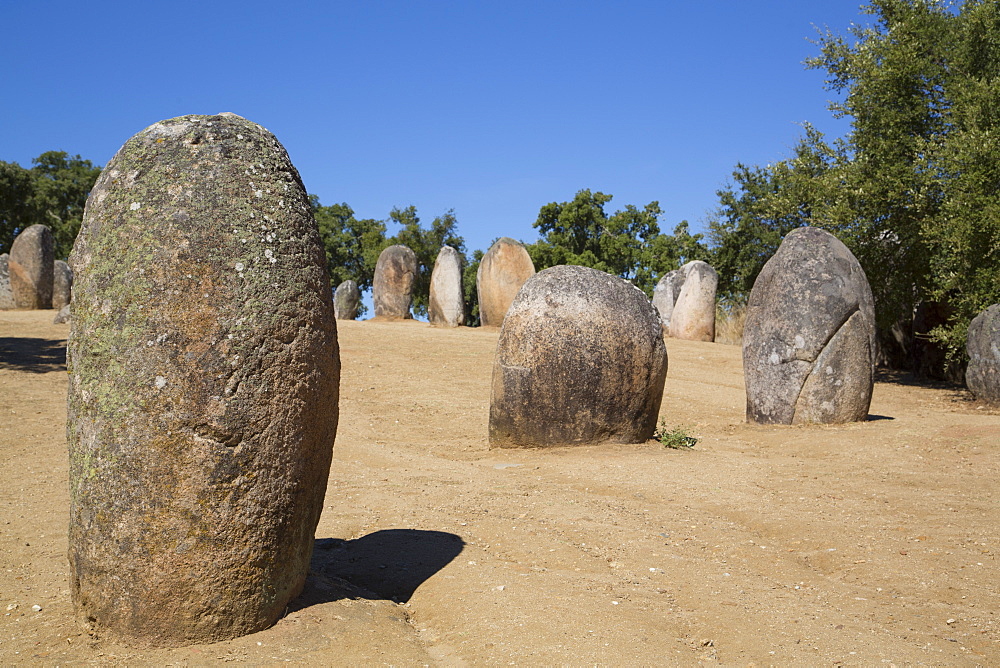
<point x="53" y="192"/>
<point x="627" y="243"/>
<point x="913" y="188"/>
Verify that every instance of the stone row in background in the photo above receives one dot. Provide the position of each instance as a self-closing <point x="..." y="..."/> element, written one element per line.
<point x="503" y="270"/>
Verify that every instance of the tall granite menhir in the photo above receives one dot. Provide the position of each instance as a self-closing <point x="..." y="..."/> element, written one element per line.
<point x="809" y="340"/>
<point x="446" y="306"/>
<point x="392" y="285"/>
<point x="62" y="284"/>
<point x="6" y="296"/>
<point x="346" y="300"/>
<point x="203" y="386"/>
<point x="502" y="272"/>
<point x="31" y="268"/>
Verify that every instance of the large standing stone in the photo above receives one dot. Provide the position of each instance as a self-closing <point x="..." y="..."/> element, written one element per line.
<point x="809" y="340"/>
<point x="447" y="303"/>
<point x="204" y="376"/>
<point x="346" y="300"/>
<point x="502" y="272"/>
<point x="983" y="373"/>
<point x="62" y="284"/>
<point x="693" y="315"/>
<point x="392" y="287"/>
<point x="580" y="360"/>
<point x="31" y="267"/>
<point x="6" y="296"/>
<point x="665" y="295"/>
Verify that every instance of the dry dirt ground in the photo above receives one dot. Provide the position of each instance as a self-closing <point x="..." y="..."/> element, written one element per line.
<point x="868" y="544"/>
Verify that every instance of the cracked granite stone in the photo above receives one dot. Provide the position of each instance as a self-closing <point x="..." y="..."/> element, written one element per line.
<point x="809" y="343"/>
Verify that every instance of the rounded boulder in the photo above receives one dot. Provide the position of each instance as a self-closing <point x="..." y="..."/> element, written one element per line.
<point x="580" y="360"/>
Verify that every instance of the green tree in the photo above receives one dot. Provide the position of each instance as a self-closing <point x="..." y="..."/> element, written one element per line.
<point x="912" y="188"/>
<point x="762" y="204"/>
<point x="580" y="232"/>
<point x="16" y="190"/>
<point x="61" y="185"/>
<point x="352" y="245"/>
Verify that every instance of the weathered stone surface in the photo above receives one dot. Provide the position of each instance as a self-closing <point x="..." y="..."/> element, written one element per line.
<point x="346" y="300"/>
<point x="392" y="287"/>
<point x="693" y="315"/>
<point x="30" y="268"/>
<point x="665" y="295"/>
<point x="203" y="386"/>
<point x="61" y="317"/>
<point x="580" y="360"/>
<point x="447" y="305"/>
<point x="502" y="272"/>
<point x="62" y="284"/>
<point x="983" y="373"/>
<point x="809" y="340"/>
<point x="6" y="296"/>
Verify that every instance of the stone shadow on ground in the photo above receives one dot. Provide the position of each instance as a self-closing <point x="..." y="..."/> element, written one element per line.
<point x="384" y="565"/>
<point x="32" y="355"/>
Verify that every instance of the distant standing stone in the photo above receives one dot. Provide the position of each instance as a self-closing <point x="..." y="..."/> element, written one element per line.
<point x="502" y="272"/>
<point x="392" y="287"/>
<point x="447" y="305"/>
<point x="62" y="284"/>
<point x="665" y="295"/>
<point x="983" y="373"/>
<point x="809" y="339"/>
<point x="62" y="317"/>
<point x="346" y="300"/>
<point x="31" y="267"/>
<point x="693" y="316"/>
<point x="6" y="296"/>
<point x="580" y="360"/>
<point x="203" y="386"/>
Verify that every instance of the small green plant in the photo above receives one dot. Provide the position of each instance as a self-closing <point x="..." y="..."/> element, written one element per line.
<point x="675" y="437"/>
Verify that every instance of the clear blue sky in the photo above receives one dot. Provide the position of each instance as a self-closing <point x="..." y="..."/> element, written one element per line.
<point x="490" y="108"/>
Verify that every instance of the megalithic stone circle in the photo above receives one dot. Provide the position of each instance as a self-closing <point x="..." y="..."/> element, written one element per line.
<point x="203" y="386"/>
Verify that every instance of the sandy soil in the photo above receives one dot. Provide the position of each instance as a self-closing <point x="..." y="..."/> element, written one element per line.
<point x="867" y="544"/>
